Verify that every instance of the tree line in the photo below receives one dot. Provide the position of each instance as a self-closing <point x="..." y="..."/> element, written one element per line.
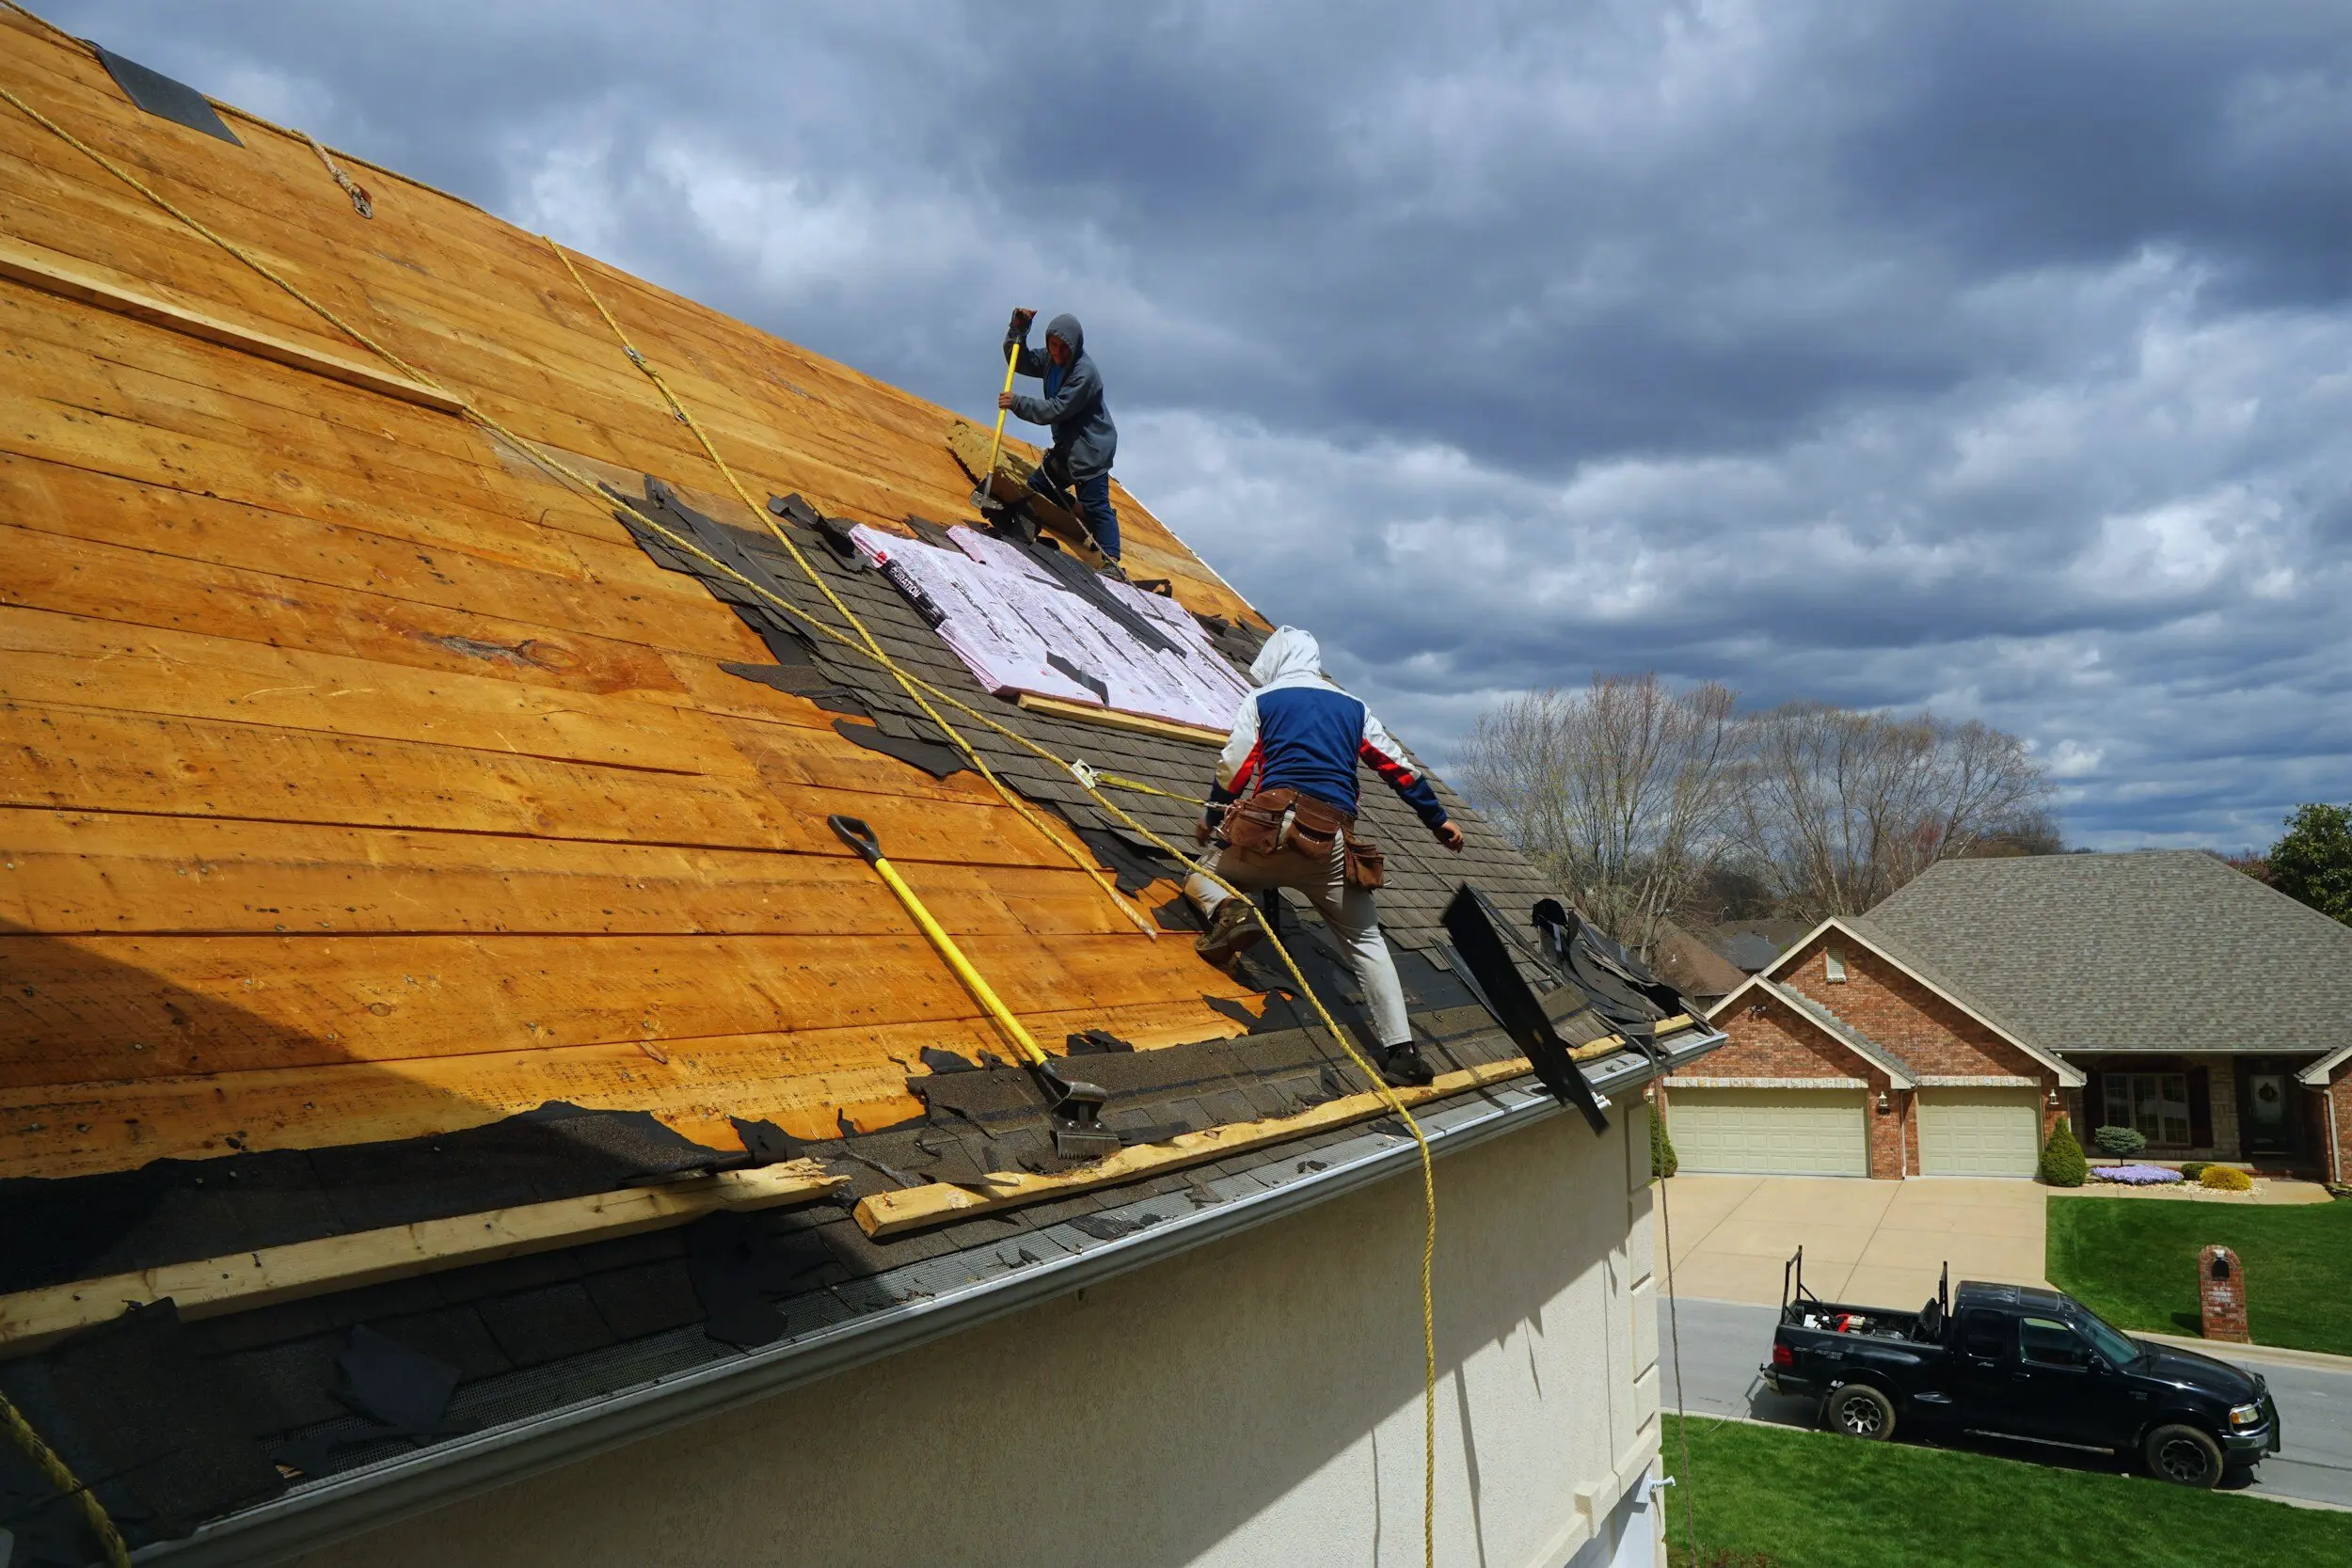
<point x="1655" y="803"/>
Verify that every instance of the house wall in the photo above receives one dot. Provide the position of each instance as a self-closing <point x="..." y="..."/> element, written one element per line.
<point x="2338" y="1103"/>
<point x="1771" y="1040"/>
<point x="1926" y="1032"/>
<point x="1256" y="1400"/>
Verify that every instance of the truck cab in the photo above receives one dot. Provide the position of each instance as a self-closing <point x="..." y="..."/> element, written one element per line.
<point x="2020" y="1362"/>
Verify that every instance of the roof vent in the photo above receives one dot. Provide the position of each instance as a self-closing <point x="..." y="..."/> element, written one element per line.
<point x="1834" y="966"/>
<point x="159" y="94"/>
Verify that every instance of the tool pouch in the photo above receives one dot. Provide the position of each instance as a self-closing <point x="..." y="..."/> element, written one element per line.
<point x="1314" y="828"/>
<point x="1255" y="826"/>
<point x="1367" y="867"/>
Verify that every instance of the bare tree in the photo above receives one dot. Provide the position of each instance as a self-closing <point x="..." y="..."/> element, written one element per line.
<point x="1838" y="808"/>
<point x="1620" y="792"/>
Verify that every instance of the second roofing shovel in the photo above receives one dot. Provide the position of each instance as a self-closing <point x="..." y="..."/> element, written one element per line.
<point x="1076" y="1107"/>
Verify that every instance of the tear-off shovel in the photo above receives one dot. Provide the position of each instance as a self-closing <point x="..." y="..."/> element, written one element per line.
<point x="1077" y="1108"/>
<point x="1018" y="332"/>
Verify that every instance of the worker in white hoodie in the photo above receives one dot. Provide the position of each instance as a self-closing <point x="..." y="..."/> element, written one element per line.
<point x="1283" y="813"/>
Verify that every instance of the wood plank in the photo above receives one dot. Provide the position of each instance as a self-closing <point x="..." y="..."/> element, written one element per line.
<point x="894" y="1213"/>
<point x="1112" y="719"/>
<point x="30" y="1319"/>
<point x="83" y="759"/>
<point x="85" y="873"/>
<point x="59" y="659"/>
<point x="806" y="1082"/>
<point x="101" y="1008"/>
<point x="54" y="274"/>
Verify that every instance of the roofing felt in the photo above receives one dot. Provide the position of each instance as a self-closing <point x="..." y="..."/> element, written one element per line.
<point x="2152" y="950"/>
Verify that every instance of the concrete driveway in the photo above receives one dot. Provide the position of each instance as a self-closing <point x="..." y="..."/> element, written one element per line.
<point x="1876" y="1242"/>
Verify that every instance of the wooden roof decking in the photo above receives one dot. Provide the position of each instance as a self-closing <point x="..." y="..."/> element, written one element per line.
<point x="359" y="781"/>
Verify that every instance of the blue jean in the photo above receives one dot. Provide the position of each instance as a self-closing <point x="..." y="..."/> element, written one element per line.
<point x="1094" y="506"/>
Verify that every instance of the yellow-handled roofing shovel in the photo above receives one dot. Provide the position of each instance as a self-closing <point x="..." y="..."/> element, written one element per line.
<point x="1018" y="331"/>
<point x="1077" y="1108"/>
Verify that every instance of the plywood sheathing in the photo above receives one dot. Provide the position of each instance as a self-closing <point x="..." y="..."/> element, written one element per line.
<point x="359" y="781"/>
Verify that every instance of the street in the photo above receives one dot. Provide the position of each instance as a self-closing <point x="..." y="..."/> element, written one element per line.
<point x="1722" y="1344"/>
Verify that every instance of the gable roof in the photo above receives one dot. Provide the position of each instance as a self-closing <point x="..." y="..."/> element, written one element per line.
<point x="1912" y="963"/>
<point x="2149" y="950"/>
<point x="1685" y="960"/>
<point x="400" y="834"/>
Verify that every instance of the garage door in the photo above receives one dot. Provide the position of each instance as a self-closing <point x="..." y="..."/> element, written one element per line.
<point x="1770" y="1131"/>
<point x="1980" y="1132"/>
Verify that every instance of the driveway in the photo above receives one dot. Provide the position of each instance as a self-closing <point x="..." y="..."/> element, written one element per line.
<point x="1876" y="1242"/>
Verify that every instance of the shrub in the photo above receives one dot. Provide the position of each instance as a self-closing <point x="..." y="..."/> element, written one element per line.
<point x="2062" y="1163"/>
<point x="1662" y="1160"/>
<point x="2121" y="1142"/>
<point x="2192" y="1169"/>
<point x="2225" y="1179"/>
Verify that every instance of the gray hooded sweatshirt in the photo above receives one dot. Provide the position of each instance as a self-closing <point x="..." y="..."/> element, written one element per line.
<point x="1083" y="438"/>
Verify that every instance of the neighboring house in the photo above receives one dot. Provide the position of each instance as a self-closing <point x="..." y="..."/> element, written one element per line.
<point x="1939" y="1034"/>
<point x="430" y="967"/>
<point x="1685" y="960"/>
<point x="1749" y="945"/>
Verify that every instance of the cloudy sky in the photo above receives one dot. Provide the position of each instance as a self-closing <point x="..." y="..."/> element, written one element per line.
<point x="1993" y="358"/>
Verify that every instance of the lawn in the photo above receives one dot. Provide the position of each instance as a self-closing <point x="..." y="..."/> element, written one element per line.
<point x="2134" y="1262"/>
<point x="1809" y="1499"/>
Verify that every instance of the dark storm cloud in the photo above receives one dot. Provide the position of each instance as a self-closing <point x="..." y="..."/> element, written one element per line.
<point x="1993" y="356"/>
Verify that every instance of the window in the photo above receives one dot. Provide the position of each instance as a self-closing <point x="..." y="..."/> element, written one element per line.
<point x="1834" y="966"/>
<point x="2157" y="1104"/>
<point x="1984" y="1334"/>
<point x="2043" y="1343"/>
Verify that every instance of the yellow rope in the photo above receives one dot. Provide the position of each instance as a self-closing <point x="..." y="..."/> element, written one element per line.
<point x="867" y="647"/>
<point x="61" y="1476"/>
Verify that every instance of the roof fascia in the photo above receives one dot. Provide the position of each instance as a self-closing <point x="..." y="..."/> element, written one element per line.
<point x="2316" y="1074"/>
<point x="1856" y="1041"/>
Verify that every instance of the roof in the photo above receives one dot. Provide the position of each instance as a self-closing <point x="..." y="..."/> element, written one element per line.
<point x="401" y="834"/>
<point x="1685" y="960"/>
<point x="1752" y="944"/>
<point x="2150" y="950"/>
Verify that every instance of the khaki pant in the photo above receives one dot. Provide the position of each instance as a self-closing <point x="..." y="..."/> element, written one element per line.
<point x="1352" y="912"/>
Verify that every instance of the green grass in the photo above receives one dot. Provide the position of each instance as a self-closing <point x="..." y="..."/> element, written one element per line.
<point x="2134" y="1262"/>
<point x="1809" y="1499"/>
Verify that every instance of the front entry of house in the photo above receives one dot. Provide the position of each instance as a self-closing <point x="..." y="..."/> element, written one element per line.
<point x="2266" y="1101"/>
<point x="1770" y="1131"/>
<point x="1980" y="1132"/>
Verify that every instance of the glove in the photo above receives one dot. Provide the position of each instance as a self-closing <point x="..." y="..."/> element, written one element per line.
<point x="1017" y="329"/>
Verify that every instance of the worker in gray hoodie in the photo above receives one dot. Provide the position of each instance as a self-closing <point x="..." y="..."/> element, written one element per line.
<point x="1084" y="440"/>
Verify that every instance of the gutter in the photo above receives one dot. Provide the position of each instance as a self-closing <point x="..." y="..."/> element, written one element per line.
<point x="365" y="1499"/>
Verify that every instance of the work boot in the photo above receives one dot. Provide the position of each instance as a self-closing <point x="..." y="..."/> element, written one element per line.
<point x="1402" y="1065"/>
<point x="1231" y="933"/>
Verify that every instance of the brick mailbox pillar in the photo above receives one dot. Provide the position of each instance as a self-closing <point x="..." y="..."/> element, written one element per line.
<point x="2221" y="1294"/>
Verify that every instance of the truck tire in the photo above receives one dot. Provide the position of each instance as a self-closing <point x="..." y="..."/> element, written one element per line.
<point x="1859" y="1410"/>
<point x="2184" y="1456"/>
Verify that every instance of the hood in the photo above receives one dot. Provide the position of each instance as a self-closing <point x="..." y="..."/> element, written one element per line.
<point x="1289" y="655"/>
<point x="1065" y="328"/>
<point x="2209" y="1374"/>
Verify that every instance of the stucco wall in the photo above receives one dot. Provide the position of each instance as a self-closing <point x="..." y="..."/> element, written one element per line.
<point x="1255" y="1401"/>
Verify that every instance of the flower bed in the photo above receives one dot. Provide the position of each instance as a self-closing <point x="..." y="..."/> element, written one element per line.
<point x="2136" y="1176"/>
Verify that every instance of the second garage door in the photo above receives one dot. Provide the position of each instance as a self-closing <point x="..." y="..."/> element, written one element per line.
<point x="1769" y="1131"/>
<point x="1980" y="1132"/>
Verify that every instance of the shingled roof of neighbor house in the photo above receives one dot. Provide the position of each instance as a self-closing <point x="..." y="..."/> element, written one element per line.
<point x="2150" y="950"/>
<point x="441" y="1034"/>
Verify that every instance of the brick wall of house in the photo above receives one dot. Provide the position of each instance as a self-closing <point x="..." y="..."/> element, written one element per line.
<point x="1927" y="1032"/>
<point x="1767" y="1039"/>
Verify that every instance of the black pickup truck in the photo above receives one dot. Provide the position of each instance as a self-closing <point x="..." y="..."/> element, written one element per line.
<point x="2019" y="1362"/>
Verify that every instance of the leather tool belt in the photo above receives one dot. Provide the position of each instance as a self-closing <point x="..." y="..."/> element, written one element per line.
<point x="1280" y="821"/>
